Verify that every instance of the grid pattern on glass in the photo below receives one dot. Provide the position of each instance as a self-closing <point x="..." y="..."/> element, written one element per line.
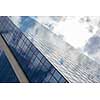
<point x="7" y="74"/>
<point x="36" y="67"/>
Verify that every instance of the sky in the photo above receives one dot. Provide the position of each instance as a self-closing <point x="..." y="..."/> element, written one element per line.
<point x="81" y="32"/>
<point x="74" y="30"/>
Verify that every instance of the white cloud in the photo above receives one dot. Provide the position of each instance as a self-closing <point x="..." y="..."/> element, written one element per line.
<point x="75" y="33"/>
<point x="48" y="21"/>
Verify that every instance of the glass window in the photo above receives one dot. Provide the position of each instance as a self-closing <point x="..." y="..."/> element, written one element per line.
<point x="47" y="78"/>
<point x="30" y="54"/>
<point x="52" y="80"/>
<point x="47" y="64"/>
<point x="44" y="69"/>
<point x="36" y="62"/>
<point x="8" y="35"/>
<point x="20" y="43"/>
<point x="33" y="58"/>
<point x="30" y="66"/>
<point x="18" y="49"/>
<point x="1" y="28"/>
<point x="57" y="75"/>
<point x="35" y="65"/>
<point x="25" y="47"/>
<point x="5" y="67"/>
<point x="4" y="24"/>
<point x="36" y="52"/>
<point x="39" y="66"/>
<point x="33" y="49"/>
<point x="62" y="80"/>
<point x="52" y="70"/>
<point x="27" y="51"/>
<point x="43" y="60"/>
<point x="11" y="27"/>
<point x="40" y="56"/>
<point x="19" y="36"/>
<point x="15" y="28"/>
<point x="27" y="42"/>
<point x="22" y="53"/>
<point x="14" y="38"/>
<point x="23" y="37"/>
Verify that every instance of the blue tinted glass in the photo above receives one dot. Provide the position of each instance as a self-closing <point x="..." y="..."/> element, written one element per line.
<point x="33" y="63"/>
<point x="30" y="53"/>
<point x="20" y="43"/>
<point x="27" y="42"/>
<point x="47" y="64"/>
<point x="57" y="75"/>
<point x="38" y="75"/>
<point x="36" y="62"/>
<point x="33" y="58"/>
<point x="40" y="56"/>
<point x="39" y="66"/>
<point x="33" y="49"/>
<point x="43" y="60"/>
<point x="25" y="47"/>
<point x="36" y="52"/>
<point x="44" y="69"/>
<point x="52" y="70"/>
<point x="53" y="80"/>
<point x="7" y="74"/>
<point x="62" y="80"/>
<point x="47" y="78"/>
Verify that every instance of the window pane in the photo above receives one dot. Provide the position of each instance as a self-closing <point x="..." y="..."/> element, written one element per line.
<point x="21" y="42"/>
<point x="47" y="77"/>
<point x="40" y="56"/>
<point x="47" y="64"/>
<point x="36" y="62"/>
<point x="25" y="47"/>
<point x="57" y="75"/>
<point x="52" y="70"/>
<point x="33" y="49"/>
<point x="27" y="42"/>
<point x="43" y="60"/>
<point x="52" y="80"/>
<point x="62" y="80"/>
<point x="33" y="58"/>
<point x="36" y="52"/>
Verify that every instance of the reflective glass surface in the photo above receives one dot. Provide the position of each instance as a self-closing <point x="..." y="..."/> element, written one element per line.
<point x="7" y="75"/>
<point x="34" y="64"/>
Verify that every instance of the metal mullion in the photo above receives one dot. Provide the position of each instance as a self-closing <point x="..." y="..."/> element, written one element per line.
<point x="47" y="68"/>
<point x="37" y="66"/>
<point x="22" y="49"/>
<point x="17" y="42"/>
<point x="34" y="59"/>
<point x="60" y="78"/>
<point x="52" y="74"/>
<point x="31" y="56"/>
<point x="12" y="60"/>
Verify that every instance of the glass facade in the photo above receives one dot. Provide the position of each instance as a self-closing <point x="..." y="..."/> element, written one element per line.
<point x="6" y="72"/>
<point x="34" y="64"/>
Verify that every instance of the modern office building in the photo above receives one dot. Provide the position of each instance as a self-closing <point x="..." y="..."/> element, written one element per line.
<point x="30" y="52"/>
<point x="31" y="65"/>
